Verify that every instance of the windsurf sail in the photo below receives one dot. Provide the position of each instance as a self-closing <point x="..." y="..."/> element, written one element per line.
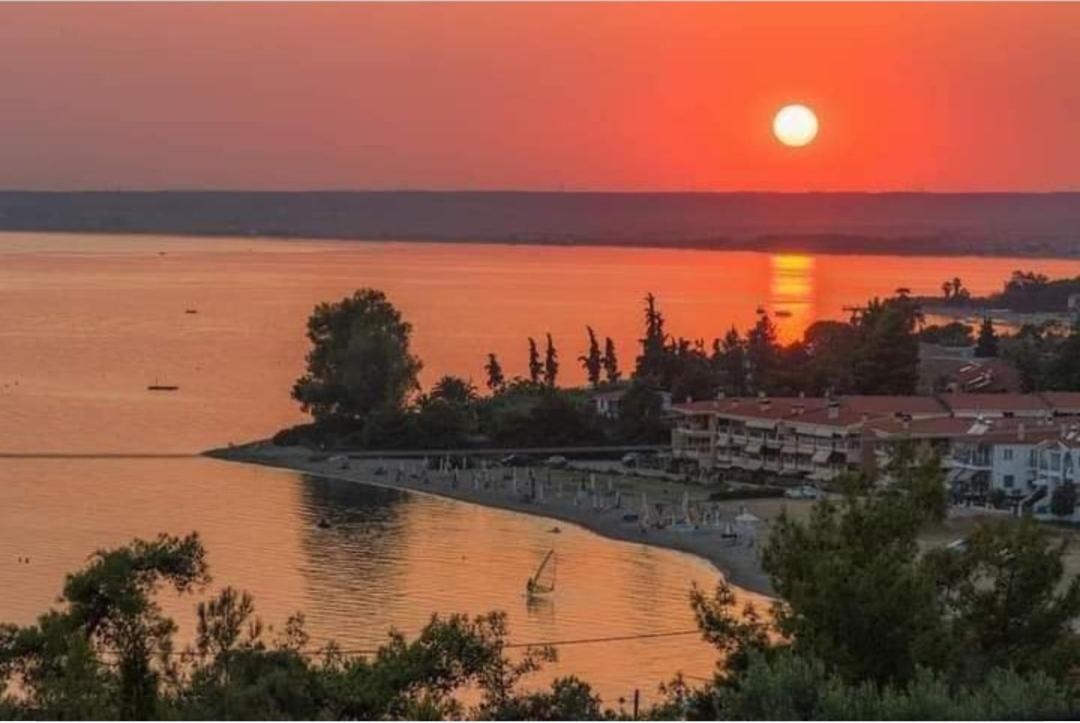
<point x="543" y="580"/>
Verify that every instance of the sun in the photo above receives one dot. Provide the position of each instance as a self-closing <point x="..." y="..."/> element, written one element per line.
<point x="795" y="125"/>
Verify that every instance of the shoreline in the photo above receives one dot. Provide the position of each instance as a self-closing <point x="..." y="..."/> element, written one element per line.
<point x="738" y="564"/>
<point x="897" y="246"/>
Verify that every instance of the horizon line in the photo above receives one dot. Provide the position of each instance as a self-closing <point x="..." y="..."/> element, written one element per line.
<point x="549" y="192"/>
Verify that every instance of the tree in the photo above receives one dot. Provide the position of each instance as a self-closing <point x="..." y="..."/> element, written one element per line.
<point x="454" y="390"/>
<point x="593" y="362"/>
<point x="953" y="334"/>
<point x="829" y="346"/>
<point x="536" y="369"/>
<point x="551" y="363"/>
<point x="1063" y="500"/>
<point x="852" y="592"/>
<point x="641" y="415"/>
<point x="887" y="357"/>
<point x="359" y="364"/>
<point x="651" y="364"/>
<point x="108" y="653"/>
<point x="987" y="343"/>
<point x="762" y="352"/>
<point x="1064" y="362"/>
<point x="730" y="356"/>
<point x="610" y="362"/>
<point x="495" y="378"/>
<point x="110" y="613"/>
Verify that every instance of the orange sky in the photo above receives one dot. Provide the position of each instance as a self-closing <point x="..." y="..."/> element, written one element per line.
<point x="605" y="96"/>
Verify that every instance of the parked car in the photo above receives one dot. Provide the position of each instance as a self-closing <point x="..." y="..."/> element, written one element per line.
<point x="517" y="460"/>
<point x="803" y="492"/>
<point x="557" y="461"/>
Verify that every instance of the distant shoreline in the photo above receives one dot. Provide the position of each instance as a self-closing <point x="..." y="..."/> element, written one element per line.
<point x="739" y="565"/>
<point x="1029" y="225"/>
<point x="883" y="247"/>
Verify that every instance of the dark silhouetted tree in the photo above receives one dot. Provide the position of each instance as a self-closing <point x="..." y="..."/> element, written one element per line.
<point x="651" y="364"/>
<point x="536" y="368"/>
<point x="551" y="363"/>
<point x="729" y="355"/>
<point x="593" y="361"/>
<point x="610" y="362"/>
<point x="987" y="343"/>
<point x="495" y="378"/>
<point x="359" y="365"/>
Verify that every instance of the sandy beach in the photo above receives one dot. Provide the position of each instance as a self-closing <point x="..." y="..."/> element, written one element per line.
<point x="568" y="496"/>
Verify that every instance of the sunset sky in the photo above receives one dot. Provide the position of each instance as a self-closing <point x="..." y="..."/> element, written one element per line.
<point x="538" y="96"/>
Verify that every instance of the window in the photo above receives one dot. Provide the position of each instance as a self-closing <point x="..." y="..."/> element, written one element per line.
<point x="1008" y="481"/>
<point x="1007" y="454"/>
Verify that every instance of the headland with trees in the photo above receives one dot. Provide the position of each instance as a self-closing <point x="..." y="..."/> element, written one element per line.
<point x="361" y="384"/>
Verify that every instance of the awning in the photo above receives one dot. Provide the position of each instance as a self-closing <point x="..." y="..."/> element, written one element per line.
<point x="753" y="447"/>
<point x="761" y="423"/>
<point x="722" y="439"/>
<point x="961" y="475"/>
<point x="821" y="456"/>
<point x="804" y="451"/>
<point x="787" y="449"/>
<point x="752" y="464"/>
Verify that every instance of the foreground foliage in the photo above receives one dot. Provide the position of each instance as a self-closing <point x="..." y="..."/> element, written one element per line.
<point x="108" y="653"/>
<point x="869" y="627"/>
<point x="866" y="626"/>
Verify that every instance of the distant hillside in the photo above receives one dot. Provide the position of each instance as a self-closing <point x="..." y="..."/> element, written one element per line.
<point x="923" y="223"/>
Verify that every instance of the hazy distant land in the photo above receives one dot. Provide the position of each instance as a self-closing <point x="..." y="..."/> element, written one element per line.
<point x="1022" y="224"/>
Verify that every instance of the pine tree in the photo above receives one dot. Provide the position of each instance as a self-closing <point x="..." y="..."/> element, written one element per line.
<point x="730" y="355"/>
<point x="762" y="352"/>
<point x="593" y="362"/>
<point x="535" y="367"/>
<point x="987" y="343"/>
<point x="610" y="362"/>
<point x="651" y="363"/>
<point x="551" y="363"/>
<point x="496" y="380"/>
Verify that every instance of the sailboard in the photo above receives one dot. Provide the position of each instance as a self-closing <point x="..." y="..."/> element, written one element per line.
<point x="543" y="580"/>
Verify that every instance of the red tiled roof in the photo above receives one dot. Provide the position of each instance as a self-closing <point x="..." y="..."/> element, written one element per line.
<point x="993" y="402"/>
<point x="876" y="405"/>
<point x="985" y="430"/>
<point x="1063" y="401"/>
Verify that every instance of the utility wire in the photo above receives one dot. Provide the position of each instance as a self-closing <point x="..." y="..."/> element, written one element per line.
<point x="507" y="646"/>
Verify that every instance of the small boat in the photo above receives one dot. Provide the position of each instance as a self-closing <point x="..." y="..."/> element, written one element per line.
<point x="554" y="530"/>
<point x="323" y="523"/>
<point x="155" y="387"/>
<point x="782" y="313"/>
<point x="543" y="580"/>
<point x="191" y="311"/>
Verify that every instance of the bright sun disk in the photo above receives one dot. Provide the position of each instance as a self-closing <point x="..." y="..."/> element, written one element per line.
<point x="795" y="125"/>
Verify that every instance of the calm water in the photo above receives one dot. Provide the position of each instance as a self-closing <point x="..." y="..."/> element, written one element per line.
<point x="89" y="321"/>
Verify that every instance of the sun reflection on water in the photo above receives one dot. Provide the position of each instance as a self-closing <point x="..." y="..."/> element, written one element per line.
<point x="791" y="293"/>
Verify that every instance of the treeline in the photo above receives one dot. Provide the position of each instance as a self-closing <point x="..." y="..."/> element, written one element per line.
<point x="865" y="627"/>
<point x="362" y="389"/>
<point x="1024" y="292"/>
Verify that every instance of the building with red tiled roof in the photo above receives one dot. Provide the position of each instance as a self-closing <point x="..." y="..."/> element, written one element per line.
<point x="996" y="405"/>
<point x="818" y="438"/>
